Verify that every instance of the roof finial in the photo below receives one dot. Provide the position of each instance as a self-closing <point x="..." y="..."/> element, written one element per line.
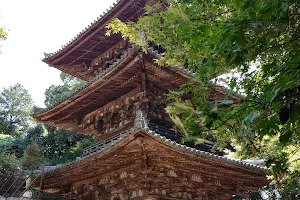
<point x="140" y="121"/>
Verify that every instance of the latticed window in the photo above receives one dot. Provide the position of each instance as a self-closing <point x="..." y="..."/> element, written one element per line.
<point x="99" y="125"/>
<point x="115" y="120"/>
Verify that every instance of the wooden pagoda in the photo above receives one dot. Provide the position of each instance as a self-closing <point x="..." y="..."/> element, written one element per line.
<point x="139" y="155"/>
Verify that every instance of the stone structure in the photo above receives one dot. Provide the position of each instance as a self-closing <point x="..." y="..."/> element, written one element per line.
<point x="138" y="155"/>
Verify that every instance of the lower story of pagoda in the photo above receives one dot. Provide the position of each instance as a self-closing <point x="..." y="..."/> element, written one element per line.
<point x="145" y="165"/>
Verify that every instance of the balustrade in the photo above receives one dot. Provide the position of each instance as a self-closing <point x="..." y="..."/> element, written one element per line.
<point x="104" y="144"/>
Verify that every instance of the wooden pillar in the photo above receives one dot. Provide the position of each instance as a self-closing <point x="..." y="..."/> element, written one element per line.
<point x="41" y="181"/>
<point x="144" y="104"/>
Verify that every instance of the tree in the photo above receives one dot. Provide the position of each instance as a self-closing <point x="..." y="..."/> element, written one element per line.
<point x="58" y="145"/>
<point x="56" y="93"/>
<point x="55" y="146"/>
<point x="32" y="158"/>
<point x="8" y="161"/>
<point x="257" y="42"/>
<point x="3" y="34"/>
<point x="5" y="143"/>
<point x="34" y="134"/>
<point x="8" y="164"/>
<point x="15" y="110"/>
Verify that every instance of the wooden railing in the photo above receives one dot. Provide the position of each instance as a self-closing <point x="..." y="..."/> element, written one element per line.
<point x="139" y="122"/>
<point x="102" y="145"/>
<point x="16" y="185"/>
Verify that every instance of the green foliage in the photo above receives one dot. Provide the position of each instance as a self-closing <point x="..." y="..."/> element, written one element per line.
<point x="48" y="144"/>
<point x="8" y="163"/>
<point x="57" y="146"/>
<point x="264" y="193"/>
<point x="56" y="93"/>
<point x="12" y="146"/>
<point x="31" y="159"/>
<point x="60" y="146"/>
<point x="18" y="147"/>
<point x="15" y="110"/>
<point x="258" y="43"/>
<point x="34" y="134"/>
<point x="3" y="34"/>
<point x="75" y="151"/>
<point x="5" y="142"/>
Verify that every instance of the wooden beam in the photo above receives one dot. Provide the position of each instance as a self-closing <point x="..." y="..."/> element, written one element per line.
<point x="125" y="157"/>
<point x="84" y="38"/>
<point x="89" y="90"/>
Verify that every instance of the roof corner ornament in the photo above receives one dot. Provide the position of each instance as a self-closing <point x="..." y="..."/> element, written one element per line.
<point x="47" y="55"/>
<point x="140" y="121"/>
<point x="37" y="109"/>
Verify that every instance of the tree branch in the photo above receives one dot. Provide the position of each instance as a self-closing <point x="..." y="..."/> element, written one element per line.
<point x="228" y="119"/>
<point x="285" y="43"/>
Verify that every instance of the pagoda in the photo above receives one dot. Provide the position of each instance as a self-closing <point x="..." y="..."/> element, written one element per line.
<point x="138" y="154"/>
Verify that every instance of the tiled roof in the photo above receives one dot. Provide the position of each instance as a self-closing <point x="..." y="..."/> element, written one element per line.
<point x="166" y="130"/>
<point x="99" y="76"/>
<point x="203" y="153"/>
<point x="171" y="143"/>
<point x="107" y="70"/>
<point x="86" y="29"/>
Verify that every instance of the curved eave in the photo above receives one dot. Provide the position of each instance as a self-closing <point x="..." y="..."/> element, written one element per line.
<point x="96" y="30"/>
<point x="104" y="76"/>
<point x="89" y="87"/>
<point x="163" y="141"/>
<point x="191" y="75"/>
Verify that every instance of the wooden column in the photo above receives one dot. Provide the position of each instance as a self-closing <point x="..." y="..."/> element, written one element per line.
<point x="144" y="104"/>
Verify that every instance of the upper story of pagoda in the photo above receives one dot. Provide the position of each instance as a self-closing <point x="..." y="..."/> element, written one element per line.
<point x="107" y="104"/>
<point x="121" y="79"/>
<point x="90" y="52"/>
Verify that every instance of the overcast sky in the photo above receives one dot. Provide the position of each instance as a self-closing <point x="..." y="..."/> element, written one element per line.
<point x="35" y="27"/>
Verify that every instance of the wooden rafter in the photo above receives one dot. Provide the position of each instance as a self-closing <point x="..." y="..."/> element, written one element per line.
<point x="160" y="165"/>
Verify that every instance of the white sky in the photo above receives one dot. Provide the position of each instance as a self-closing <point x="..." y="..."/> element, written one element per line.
<point x="35" y="27"/>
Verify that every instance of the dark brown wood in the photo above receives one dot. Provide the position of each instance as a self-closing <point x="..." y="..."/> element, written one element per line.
<point x="24" y="181"/>
<point x="31" y="183"/>
<point x="84" y="45"/>
<point x="144" y="163"/>
<point x="126" y="86"/>
<point x="41" y="181"/>
<point x="7" y="180"/>
<point x="134" y="71"/>
<point x="18" y="177"/>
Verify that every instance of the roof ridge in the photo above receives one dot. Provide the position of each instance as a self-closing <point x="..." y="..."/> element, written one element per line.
<point x="110" y="68"/>
<point x="202" y="153"/>
<point x="158" y="55"/>
<point x="182" y="147"/>
<point x="86" y="29"/>
<point x="96" y="78"/>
